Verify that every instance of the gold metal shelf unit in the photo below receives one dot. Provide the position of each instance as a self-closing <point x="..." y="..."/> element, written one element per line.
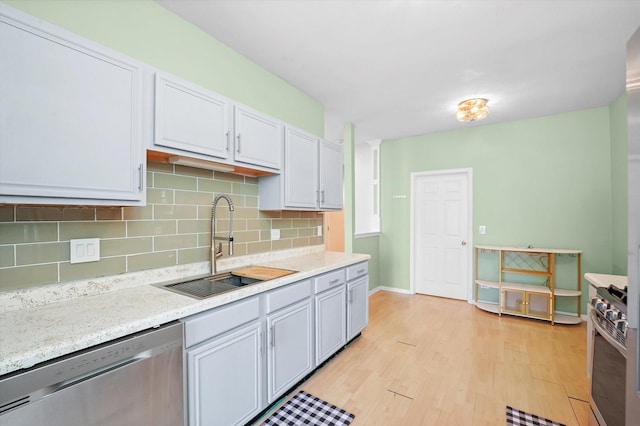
<point x="527" y="299"/>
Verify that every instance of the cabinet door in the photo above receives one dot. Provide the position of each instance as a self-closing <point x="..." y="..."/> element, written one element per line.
<point x="300" y="170"/>
<point x="225" y="379"/>
<point x="538" y="305"/>
<point x="529" y="303"/>
<point x="259" y="138"/>
<point x="70" y="118"/>
<point x="190" y="118"/>
<point x="290" y="356"/>
<point x="330" y="322"/>
<point x="330" y="175"/>
<point x="357" y="306"/>
<point x="514" y="301"/>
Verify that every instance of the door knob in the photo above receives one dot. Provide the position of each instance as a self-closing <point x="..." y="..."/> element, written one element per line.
<point x="464" y="243"/>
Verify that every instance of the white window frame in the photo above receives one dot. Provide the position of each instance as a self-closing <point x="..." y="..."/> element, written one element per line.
<point x="367" y="189"/>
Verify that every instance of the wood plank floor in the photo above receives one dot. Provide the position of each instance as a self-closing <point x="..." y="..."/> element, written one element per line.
<point x="430" y="361"/>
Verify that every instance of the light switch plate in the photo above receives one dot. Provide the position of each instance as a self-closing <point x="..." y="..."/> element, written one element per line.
<point x="275" y="234"/>
<point x="319" y="231"/>
<point x="483" y="229"/>
<point x="84" y="250"/>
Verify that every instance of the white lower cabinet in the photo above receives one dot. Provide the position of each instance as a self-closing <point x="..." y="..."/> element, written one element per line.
<point x="290" y="358"/>
<point x="225" y="379"/>
<point x="224" y="364"/>
<point x="357" y="306"/>
<point x="357" y="299"/>
<point x="243" y="356"/>
<point x="330" y="322"/>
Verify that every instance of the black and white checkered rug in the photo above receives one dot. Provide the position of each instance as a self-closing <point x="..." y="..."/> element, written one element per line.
<point x="306" y="409"/>
<point x="520" y="418"/>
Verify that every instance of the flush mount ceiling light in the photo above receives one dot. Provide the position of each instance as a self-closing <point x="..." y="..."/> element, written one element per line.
<point x="472" y="110"/>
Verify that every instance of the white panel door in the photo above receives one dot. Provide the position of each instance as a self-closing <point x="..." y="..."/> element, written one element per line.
<point x="440" y="234"/>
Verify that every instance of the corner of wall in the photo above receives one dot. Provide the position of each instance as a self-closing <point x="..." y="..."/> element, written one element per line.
<point x="618" y="157"/>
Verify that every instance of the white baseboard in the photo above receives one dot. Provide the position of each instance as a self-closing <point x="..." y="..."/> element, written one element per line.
<point x="583" y="316"/>
<point x="391" y="289"/>
<point x="404" y="291"/>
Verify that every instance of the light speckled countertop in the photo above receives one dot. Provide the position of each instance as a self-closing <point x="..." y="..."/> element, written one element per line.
<point x="604" y="280"/>
<point x="33" y="331"/>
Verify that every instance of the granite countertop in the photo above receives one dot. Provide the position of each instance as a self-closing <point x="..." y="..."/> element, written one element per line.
<point x="604" y="280"/>
<point x="36" y="329"/>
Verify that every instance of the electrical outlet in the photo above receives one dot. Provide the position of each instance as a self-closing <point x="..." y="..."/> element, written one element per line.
<point x="275" y="234"/>
<point x="483" y="229"/>
<point x="84" y="250"/>
<point x="319" y="231"/>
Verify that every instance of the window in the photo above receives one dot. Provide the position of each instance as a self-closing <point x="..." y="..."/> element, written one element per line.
<point x="367" y="187"/>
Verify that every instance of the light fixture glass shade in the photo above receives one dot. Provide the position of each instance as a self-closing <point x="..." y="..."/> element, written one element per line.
<point x="472" y="110"/>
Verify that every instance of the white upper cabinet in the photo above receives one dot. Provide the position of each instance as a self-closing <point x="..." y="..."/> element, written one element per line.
<point x="258" y="138"/>
<point x="311" y="178"/>
<point x="301" y="170"/>
<point x="190" y="118"/>
<point x="331" y="166"/>
<point x="70" y="118"/>
<point x="195" y="122"/>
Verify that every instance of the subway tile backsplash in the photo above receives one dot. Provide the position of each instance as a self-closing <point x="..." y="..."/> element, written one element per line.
<point x="173" y="228"/>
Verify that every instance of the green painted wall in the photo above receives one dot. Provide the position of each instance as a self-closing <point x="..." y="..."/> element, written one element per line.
<point x="349" y="141"/>
<point x="544" y="182"/>
<point x="146" y="31"/>
<point x="370" y="246"/>
<point x="618" y="123"/>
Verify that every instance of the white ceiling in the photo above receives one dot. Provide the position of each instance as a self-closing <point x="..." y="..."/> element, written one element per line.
<point x="399" y="68"/>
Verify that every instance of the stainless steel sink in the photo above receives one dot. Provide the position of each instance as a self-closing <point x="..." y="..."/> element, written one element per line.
<point x="210" y="286"/>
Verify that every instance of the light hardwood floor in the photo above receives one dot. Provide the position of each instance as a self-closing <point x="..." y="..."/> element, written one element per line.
<point x="425" y="360"/>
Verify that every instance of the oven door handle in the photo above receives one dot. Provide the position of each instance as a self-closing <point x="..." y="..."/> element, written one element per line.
<point x="607" y="336"/>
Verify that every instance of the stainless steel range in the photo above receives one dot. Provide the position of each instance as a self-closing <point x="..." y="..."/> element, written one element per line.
<point x="633" y="232"/>
<point x="608" y="317"/>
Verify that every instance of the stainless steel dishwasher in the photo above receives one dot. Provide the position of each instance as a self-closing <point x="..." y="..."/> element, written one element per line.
<point x="136" y="380"/>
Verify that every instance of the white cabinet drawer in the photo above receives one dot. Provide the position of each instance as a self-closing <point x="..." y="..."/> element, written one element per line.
<point x="329" y="280"/>
<point x="282" y="297"/>
<point x="206" y="325"/>
<point x="357" y="270"/>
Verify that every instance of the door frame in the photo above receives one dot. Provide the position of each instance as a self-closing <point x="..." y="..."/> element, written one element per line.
<point x="412" y="240"/>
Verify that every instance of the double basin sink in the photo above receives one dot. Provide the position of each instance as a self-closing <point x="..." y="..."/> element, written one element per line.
<point x="228" y="281"/>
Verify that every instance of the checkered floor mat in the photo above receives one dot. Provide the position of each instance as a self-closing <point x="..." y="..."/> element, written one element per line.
<point x="306" y="409"/>
<point x="520" y="418"/>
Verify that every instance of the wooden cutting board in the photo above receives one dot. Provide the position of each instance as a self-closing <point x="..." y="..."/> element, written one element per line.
<point x="262" y="272"/>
